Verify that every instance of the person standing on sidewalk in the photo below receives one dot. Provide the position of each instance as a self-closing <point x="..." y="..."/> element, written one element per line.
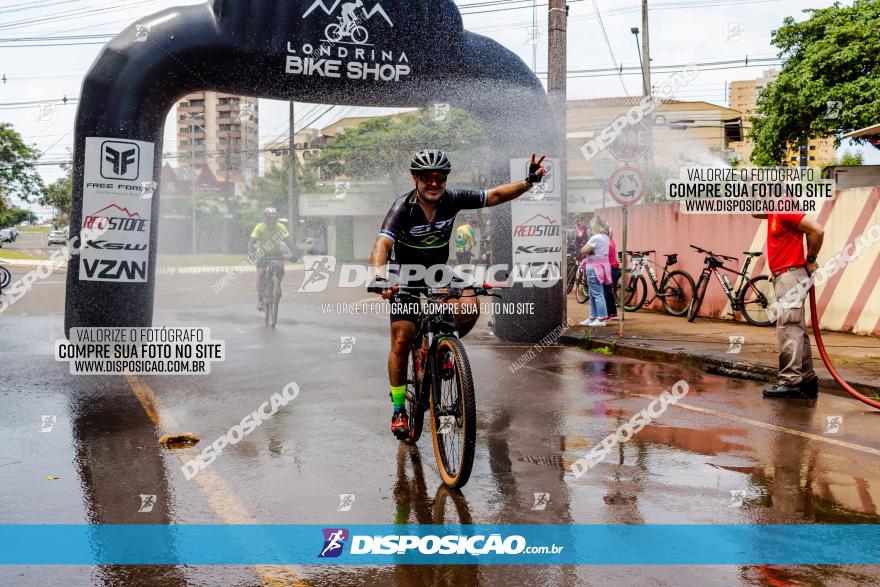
<point x="610" y="300"/>
<point x="789" y="265"/>
<point x="598" y="271"/>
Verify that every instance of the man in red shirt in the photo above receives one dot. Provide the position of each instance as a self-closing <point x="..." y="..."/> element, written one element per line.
<point x="789" y="265"/>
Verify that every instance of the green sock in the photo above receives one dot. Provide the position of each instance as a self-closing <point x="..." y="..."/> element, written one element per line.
<point x="398" y="396"/>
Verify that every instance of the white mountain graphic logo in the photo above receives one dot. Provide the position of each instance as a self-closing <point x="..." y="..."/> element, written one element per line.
<point x="376" y="9"/>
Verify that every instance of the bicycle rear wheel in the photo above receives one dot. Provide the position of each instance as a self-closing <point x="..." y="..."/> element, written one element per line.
<point x="453" y="413"/>
<point x="678" y="292"/>
<point x="635" y="293"/>
<point x="755" y="298"/>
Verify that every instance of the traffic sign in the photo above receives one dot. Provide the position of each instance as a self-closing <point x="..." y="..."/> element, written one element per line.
<point x="626" y="185"/>
<point x="632" y="143"/>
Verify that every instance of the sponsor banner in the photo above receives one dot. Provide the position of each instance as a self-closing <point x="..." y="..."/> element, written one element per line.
<point x="117" y="175"/>
<point x="535" y="544"/>
<point x="536" y="221"/>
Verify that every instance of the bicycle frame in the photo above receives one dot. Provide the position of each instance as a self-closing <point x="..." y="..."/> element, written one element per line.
<point x="732" y="293"/>
<point x="641" y="268"/>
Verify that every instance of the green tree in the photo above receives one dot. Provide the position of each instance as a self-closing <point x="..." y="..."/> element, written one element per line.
<point x="382" y="147"/>
<point x="59" y="194"/>
<point x="18" y="175"/>
<point x="832" y="56"/>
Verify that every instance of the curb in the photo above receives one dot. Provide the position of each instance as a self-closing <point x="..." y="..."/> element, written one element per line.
<point x="707" y="363"/>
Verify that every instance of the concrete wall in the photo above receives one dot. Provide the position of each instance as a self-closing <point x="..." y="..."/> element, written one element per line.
<point x="849" y="302"/>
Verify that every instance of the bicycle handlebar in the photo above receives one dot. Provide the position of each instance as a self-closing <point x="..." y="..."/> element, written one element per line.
<point x="699" y="250"/>
<point x="641" y="253"/>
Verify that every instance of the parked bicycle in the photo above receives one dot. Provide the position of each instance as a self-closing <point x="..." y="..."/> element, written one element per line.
<point x="750" y="297"/>
<point x="439" y="377"/>
<point x="271" y="290"/>
<point x="675" y="289"/>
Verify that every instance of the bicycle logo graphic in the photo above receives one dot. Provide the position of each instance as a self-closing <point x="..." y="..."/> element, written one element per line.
<point x="346" y="29"/>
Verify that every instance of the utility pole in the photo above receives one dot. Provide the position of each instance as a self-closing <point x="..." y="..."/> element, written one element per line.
<point x="646" y="79"/>
<point x="557" y="31"/>
<point x="292" y="219"/>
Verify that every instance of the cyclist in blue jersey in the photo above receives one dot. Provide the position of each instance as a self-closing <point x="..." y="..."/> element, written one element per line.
<point x="416" y="232"/>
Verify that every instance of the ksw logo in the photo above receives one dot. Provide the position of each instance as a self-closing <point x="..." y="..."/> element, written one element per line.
<point x="348" y="25"/>
<point x="104" y="245"/>
<point x="530" y="249"/>
<point x="119" y="160"/>
<point x="334" y="541"/>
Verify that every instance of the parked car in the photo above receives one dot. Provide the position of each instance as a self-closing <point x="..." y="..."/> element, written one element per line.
<point x="311" y="245"/>
<point x="57" y="237"/>
<point x="6" y="235"/>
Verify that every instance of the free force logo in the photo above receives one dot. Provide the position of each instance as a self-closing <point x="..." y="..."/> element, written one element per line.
<point x="119" y="160"/>
<point x="334" y="542"/>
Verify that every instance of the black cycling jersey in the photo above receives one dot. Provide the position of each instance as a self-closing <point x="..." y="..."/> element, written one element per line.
<point x="419" y="242"/>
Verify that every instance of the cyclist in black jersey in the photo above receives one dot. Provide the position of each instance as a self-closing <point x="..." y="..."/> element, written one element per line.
<point x="416" y="232"/>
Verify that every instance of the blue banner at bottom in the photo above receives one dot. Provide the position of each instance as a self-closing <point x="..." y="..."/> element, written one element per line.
<point x="454" y="545"/>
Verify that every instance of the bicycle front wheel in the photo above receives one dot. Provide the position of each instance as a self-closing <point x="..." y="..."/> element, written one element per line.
<point x="581" y="293"/>
<point x="453" y="413"/>
<point x="755" y="298"/>
<point x="5" y="277"/>
<point x="678" y="292"/>
<point x="570" y="277"/>
<point x="699" y="292"/>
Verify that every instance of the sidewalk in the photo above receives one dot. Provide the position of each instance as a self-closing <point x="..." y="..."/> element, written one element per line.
<point x="705" y="344"/>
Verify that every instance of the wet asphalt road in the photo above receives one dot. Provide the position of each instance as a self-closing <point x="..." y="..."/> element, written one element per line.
<point x="333" y="439"/>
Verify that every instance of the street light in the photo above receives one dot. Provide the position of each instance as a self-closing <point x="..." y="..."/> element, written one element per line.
<point x="635" y="30"/>
<point x="192" y="142"/>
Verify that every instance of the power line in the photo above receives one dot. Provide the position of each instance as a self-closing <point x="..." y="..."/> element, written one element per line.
<point x="608" y="44"/>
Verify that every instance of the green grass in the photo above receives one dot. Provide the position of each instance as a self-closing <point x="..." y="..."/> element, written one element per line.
<point x="19" y="255"/>
<point x="199" y="260"/>
<point x="36" y="229"/>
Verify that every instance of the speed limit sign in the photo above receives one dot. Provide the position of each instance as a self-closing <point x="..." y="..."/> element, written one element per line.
<point x="626" y="185"/>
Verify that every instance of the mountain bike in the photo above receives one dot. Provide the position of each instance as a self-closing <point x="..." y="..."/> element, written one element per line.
<point x="676" y="289"/>
<point x="439" y="377"/>
<point x="5" y="278"/>
<point x="271" y="288"/>
<point x="752" y="296"/>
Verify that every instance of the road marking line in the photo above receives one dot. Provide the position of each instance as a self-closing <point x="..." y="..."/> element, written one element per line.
<point x="180" y="289"/>
<point x="220" y="497"/>
<point x="774" y="427"/>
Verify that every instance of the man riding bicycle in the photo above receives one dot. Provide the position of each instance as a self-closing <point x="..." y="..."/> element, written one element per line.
<point x="270" y="241"/>
<point x="416" y="234"/>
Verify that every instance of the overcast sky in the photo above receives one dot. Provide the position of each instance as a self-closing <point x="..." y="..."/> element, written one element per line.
<point x="680" y="31"/>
